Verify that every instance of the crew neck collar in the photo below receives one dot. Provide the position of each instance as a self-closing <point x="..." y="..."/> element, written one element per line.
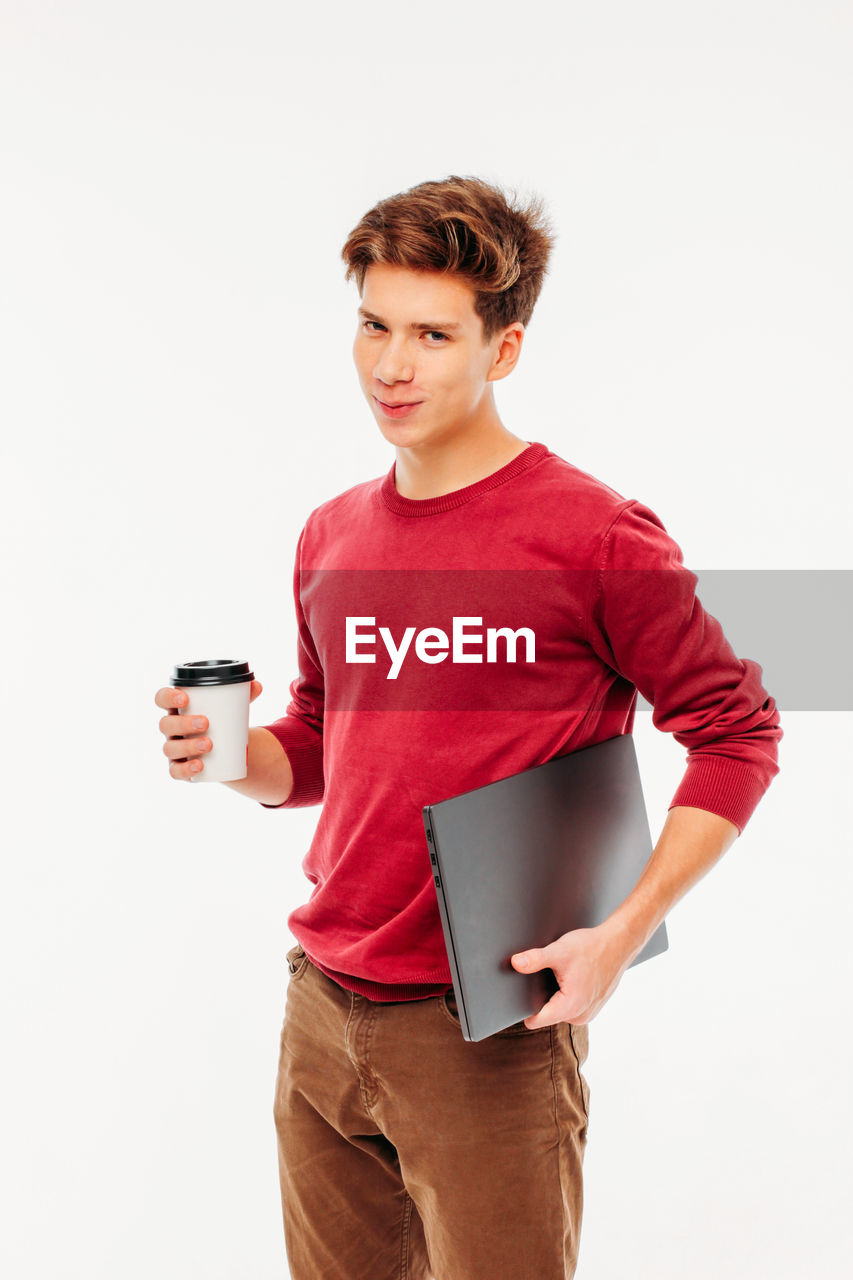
<point x="401" y="506"/>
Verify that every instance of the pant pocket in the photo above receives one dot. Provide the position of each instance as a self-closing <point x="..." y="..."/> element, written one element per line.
<point x="579" y="1041"/>
<point x="297" y="961"/>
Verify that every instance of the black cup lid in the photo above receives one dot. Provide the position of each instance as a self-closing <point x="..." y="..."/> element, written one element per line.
<point x="211" y="671"/>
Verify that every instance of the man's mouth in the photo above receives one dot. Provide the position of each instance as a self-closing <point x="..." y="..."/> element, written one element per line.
<point x="399" y="410"/>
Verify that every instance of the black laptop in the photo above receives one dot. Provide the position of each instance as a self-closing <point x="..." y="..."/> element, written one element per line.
<point x="519" y="862"/>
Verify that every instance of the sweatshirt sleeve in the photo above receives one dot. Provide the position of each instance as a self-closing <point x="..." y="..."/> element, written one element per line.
<point x="646" y="622"/>
<point x="300" y="729"/>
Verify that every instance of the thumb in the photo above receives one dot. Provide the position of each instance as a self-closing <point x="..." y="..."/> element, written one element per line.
<point x="257" y="687"/>
<point x="531" y="961"/>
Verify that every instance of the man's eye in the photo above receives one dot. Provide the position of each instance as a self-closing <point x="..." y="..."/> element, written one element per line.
<point x="431" y="333"/>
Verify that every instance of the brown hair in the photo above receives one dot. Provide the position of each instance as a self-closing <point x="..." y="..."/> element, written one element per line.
<point x="467" y="227"/>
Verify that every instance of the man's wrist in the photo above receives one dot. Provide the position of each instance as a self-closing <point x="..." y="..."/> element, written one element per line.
<point x="269" y="777"/>
<point x="625" y="935"/>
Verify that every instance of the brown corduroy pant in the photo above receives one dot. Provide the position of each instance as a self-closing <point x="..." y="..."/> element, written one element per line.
<point x="409" y="1153"/>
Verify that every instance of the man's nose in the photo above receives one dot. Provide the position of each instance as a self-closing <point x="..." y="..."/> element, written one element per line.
<point x="394" y="364"/>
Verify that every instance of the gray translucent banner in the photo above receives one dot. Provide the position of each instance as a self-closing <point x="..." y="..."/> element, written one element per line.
<point x="797" y="623"/>
<point x="516" y="638"/>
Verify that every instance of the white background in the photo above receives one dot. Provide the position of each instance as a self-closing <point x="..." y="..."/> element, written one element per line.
<point x="178" y="394"/>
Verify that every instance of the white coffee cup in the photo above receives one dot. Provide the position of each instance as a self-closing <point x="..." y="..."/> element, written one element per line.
<point x="220" y="689"/>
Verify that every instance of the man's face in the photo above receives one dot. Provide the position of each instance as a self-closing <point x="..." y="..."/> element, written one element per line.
<point x="420" y="340"/>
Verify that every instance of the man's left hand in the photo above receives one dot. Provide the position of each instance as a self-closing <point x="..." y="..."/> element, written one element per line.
<point x="587" y="963"/>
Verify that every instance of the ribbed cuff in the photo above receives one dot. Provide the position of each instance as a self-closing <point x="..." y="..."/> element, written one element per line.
<point x="304" y="750"/>
<point x="721" y="785"/>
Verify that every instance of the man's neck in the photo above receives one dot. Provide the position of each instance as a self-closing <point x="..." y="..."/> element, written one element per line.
<point x="419" y="476"/>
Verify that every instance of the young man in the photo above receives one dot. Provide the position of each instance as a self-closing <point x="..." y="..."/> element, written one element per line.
<point x="482" y="608"/>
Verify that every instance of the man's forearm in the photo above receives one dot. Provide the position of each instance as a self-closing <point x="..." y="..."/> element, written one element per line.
<point x="269" y="778"/>
<point x="691" y="841"/>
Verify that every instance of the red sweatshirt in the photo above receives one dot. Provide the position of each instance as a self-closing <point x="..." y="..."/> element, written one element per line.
<point x="447" y="642"/>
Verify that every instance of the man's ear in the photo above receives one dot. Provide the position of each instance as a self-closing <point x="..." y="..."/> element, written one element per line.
<point x="508" y="351"/>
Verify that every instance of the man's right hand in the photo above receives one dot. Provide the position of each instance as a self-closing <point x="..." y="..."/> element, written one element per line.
<point x="185" y="741"/>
